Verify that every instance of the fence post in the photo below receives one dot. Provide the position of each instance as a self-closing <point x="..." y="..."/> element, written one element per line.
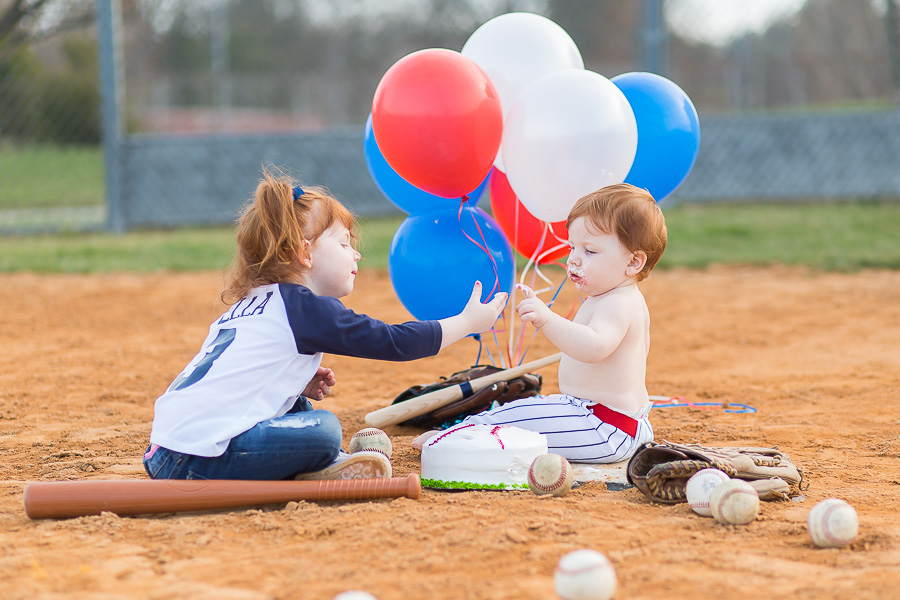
<point x="893" y="43"/>
<point x="111" y="90"/>
<point x="654" y="38"/>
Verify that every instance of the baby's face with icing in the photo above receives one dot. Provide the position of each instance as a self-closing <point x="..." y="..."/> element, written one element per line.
<point x="597" y="261"/>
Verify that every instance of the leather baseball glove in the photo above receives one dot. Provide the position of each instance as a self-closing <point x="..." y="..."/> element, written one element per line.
<point x="524" y="386"/>
<point x="661" y="470"/>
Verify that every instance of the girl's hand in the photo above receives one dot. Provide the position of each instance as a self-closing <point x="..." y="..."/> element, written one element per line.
<point x="481" y="317"/>
<point x="532" y="309"/>
<point x="474" y="318"/>
<point x="320" y="385"/>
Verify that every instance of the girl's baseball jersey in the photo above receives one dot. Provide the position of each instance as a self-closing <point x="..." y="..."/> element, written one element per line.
<point x="260" y="355"/>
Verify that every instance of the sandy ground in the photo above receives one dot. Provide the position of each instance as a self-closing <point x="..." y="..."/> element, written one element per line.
<point x="816" y="355"/>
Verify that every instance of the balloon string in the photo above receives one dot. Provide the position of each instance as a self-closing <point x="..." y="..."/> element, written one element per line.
<point x="516" y="225"/>
<point x="513" y="342"/>
<point x="562" y="244"/>
<point x="520" y="351"/>
<point x="494" y="332"/>
<point x="673" y="402"/>
<point x="516" y="342"/>
<point x="534" y="333"/>
<point x="477" y="338"/>
<point x="486" y="349"/>
<point x="533" y="258"/>
<point x="503" y="362"/>
<point x="549" y="304"/>
<point x="512" y="292"/>
<point x="562" y="241"/>
<point x="516" y="345"/>
<point x="484" y="247"/>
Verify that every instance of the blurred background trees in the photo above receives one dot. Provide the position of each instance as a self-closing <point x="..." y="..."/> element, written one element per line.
<point x="274" y="65"/>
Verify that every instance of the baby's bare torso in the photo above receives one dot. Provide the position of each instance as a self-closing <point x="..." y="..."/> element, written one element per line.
<point x="619" y="380"/>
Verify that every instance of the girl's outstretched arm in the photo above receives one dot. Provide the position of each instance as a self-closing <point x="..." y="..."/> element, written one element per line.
<point x="475" y="317"/>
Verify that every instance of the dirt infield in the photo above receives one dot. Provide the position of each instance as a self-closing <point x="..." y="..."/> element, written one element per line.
<point x="816" y="355"/>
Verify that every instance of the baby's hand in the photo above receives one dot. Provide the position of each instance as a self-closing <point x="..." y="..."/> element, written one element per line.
<point x="532" y="309"/>
<point x="482" y="317"/>
<point x="321" y="383"/>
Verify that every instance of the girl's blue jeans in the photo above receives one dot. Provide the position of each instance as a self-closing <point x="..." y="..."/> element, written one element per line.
<point x="301" y="441"/>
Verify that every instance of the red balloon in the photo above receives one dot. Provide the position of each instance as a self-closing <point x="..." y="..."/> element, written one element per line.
<point x="527" y="236"/>
<point x="438" y="122"/>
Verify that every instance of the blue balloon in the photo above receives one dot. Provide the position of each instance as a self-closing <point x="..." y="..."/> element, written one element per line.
<point x="400" y="192"/>
<point x="433" y="265"/>
<point x="668" y="132"/>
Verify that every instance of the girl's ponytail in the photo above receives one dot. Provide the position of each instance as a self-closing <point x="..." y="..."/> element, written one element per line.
<point x="279" y="229"/>
<point x="274" y="233"/>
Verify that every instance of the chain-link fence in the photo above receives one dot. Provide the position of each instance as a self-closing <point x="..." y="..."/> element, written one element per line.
<point x="797" y="98"/>
<point x="51" y="173"/>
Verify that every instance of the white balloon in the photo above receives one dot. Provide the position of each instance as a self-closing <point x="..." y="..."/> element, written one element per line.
<point x="516" y="49"/>
<point x="570" y="133"/>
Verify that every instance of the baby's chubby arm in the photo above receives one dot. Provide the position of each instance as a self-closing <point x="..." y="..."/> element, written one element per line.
<point x="585" y="343"/>
<point x="475" y="317"/>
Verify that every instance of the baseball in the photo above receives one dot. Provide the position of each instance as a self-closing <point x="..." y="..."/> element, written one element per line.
<point x="700" y="486"/>
<point x="371" y="438"/>
<point x="832" y="523"/>
<point x="355" y="595"/>
<point x="584" y="575"/>
<point x="734" y="502"/>
<point x="550" y="474"/>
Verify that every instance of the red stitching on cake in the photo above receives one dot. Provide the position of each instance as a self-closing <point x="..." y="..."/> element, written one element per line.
<point x="496" y="435"/>
<point x="445" y="434"/>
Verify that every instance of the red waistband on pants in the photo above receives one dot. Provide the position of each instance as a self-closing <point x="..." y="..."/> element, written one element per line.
<point x="615" y="418"/>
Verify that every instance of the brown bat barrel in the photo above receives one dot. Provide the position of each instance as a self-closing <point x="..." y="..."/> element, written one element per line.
<point x="63" y="499"/>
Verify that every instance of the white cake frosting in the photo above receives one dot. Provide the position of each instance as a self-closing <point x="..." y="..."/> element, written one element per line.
<point x="487" y="455"/>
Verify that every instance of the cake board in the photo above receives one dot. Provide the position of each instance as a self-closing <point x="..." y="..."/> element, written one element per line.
<point x="614" y="475"/>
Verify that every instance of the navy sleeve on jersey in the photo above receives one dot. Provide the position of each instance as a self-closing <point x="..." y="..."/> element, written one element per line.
<point x="324" y="324"/>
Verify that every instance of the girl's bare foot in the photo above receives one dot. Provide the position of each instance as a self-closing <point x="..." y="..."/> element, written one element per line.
<point x="419" y="442"/>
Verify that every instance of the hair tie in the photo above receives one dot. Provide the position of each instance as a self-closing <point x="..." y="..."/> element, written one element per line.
<point x="297" y="192"/>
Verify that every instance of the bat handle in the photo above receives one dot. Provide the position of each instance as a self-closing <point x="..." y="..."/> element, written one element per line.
<point x="356" y="489"/>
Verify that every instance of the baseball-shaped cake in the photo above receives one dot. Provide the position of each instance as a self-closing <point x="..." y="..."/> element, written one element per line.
<point x="477" y="456"/>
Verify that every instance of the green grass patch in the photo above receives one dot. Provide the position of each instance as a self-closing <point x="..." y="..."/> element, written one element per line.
<point x="50" y="176"/>
<point x="376" y="235"/>
<point x="139" y="252"/>
<point x="821" y="236"/>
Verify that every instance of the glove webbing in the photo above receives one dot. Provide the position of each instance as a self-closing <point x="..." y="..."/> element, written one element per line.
<point x="663" y="479"/>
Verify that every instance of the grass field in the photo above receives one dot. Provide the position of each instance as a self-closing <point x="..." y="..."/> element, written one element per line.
<point x="49" y="176"/>
<point x="822" y="236"/>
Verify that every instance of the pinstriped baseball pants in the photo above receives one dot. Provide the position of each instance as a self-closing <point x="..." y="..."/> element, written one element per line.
<point x="572" y="430"/>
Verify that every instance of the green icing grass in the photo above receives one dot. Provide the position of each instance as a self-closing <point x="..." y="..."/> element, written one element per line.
<point x="465" y="485"/>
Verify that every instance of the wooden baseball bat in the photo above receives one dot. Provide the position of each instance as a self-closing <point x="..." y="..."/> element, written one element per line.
<point x="397" y="413"/>
<point x="62" y="499"/>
